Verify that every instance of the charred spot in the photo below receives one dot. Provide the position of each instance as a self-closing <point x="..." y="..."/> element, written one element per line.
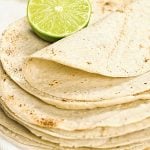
<point x="50" y="84"/>
<point x="107" y="3"/>
<point x="9" y="52"/>
<point x="146" y="60"/>
<point x="145" y="83"/>
<point x="20" y="105"/>
<point x="47" y="123"/>
<point x="15" y="70"/>
<point x="89" y="63"/>
<point x="52" y="52"/>
<point x="11" y="97"/>
<point x="20" y="69"/>
<point x="64" y="100"/>
<point x="54" y="82"/>
<point x="141" y="46"/>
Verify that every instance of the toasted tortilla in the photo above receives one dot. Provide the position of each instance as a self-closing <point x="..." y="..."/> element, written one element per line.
<point x="88" y="91"/>
<point x="21" y="137"/>
<point x="36" y="113"/>
<point x="136" y="136"/>
<point x="118" y="46"/>
<point x="97" y="112"/>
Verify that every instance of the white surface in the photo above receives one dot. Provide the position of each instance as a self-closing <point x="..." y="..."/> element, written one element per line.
<point x="10" y="10"/>
<point x="5" y="145"/>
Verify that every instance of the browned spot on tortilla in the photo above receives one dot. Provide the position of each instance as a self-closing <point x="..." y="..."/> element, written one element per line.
<point x="107" y="3"/>
<point x="141" y="46"/>
<point x="89" y="63"/>
<point x="52" y="52"/>
<point x="10" y="97"/>
<point x="51" y="84"/>
<point x="64" y="100"/>
<point x="9" y="52"/>
<point x="47" y="123"/>
<point x="15" y="70"/>
<point x="115" y="5"/>
<point x="146" y="59"/>
<point x="20" y="69"/>
<point x="54" y="82"/>
<point x="3" y="33"/>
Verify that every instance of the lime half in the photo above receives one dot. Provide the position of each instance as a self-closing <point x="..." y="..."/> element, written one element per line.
<point x="55" y="19"/>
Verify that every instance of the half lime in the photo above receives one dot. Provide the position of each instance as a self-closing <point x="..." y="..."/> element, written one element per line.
<point x="55" y="19"/>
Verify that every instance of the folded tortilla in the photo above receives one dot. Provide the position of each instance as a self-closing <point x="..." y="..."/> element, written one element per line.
<point x="118" y="46"/>
<point x="88" y="90"/>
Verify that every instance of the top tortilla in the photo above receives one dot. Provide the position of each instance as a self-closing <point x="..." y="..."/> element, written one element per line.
<point x="118" y="46"/>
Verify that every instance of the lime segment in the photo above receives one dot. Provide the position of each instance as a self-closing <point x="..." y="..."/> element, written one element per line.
<point x="55" y="19"/>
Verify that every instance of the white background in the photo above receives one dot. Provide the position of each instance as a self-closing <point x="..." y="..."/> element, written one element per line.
<point x="10" y="10"/>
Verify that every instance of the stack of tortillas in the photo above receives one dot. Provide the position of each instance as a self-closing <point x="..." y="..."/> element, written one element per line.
<point x="89" y="91"/>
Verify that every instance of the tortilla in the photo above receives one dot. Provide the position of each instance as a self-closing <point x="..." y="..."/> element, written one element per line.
<point x="27" y="138"/>
<point x="35" y="112"/>
<point x="49" y="116"/>
<point x="90" y="91"/>
<point x="20" y="136"/>
<point x="112" y="141"/>
<point x="84" y="110"/>
<point x="118" y="46"/>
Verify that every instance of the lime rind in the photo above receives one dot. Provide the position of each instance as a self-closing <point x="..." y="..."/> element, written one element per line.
<point x="50" y="36"/>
